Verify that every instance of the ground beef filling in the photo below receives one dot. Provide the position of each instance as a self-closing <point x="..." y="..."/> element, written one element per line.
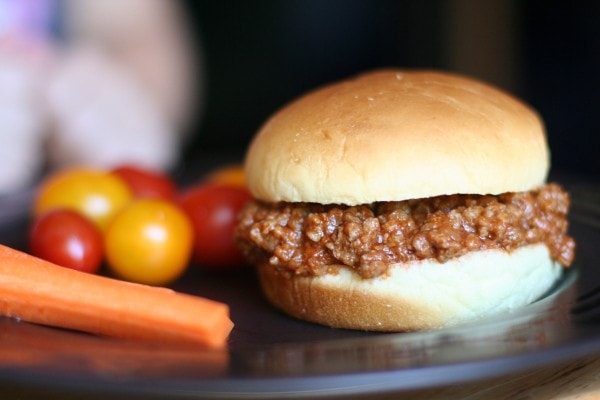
<point x="308" y="238"/>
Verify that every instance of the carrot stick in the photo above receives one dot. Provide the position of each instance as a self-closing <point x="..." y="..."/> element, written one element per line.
<point x="38" y="291"/>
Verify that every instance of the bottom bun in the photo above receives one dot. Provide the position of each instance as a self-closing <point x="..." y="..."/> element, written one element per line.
<point x="418" y="295"/>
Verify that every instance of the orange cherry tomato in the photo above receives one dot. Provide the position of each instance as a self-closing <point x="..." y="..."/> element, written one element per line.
<point x="231" y="175"/>
<point x="147" y="183"/>
<point x="67" y="238"/>
<point x="98" y="195"/>
<point x="149" y="241"/>
<point x="214" y="211"/>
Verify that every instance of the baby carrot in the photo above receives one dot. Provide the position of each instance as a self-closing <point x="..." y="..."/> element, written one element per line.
<point x="38" y="291"/>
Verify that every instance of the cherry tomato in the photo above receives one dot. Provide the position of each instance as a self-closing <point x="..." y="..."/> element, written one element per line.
<point x="149" y="241"/>
<point x="230" y="175"/>
<point x="147" y="183"/>
<point x="67" y="238"/>
<point x="214" y="210"/>
<point x="96" y="194"/>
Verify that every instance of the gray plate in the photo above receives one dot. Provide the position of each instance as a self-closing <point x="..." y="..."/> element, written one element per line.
<point x="271" y="355"/>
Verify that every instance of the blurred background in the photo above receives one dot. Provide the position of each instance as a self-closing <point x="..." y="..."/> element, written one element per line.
<point x="261" y="54"/>
<point x="168" y="83"/>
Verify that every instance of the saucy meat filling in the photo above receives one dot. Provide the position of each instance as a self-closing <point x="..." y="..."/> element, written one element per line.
<point x="308" y="238"/>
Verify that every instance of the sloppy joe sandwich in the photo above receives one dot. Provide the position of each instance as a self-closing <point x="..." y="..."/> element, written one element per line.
<point x="403" y="200"/>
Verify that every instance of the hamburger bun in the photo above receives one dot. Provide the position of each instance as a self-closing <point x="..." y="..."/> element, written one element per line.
<point x="395" y="135"/>
<point x="417" y="295"/>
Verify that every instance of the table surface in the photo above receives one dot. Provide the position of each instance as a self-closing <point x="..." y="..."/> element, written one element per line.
<point x="576" y="379"/>
<point x="579" y="379"/>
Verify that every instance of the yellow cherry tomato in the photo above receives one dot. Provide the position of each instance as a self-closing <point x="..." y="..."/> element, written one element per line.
<point x="230" y="175"/>
<point x="97" y="194"/>
<point x="149" y="241"/>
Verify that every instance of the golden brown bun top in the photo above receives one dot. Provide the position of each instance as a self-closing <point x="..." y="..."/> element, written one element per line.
<point x="395" y="135"/>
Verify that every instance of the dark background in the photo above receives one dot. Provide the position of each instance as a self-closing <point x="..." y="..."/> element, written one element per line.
<point x="260" y="54"/>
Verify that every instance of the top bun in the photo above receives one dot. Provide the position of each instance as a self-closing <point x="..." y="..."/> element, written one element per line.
<point x="393" y="135"/>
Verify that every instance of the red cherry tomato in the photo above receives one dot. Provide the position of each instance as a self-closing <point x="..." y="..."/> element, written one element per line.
<point x="146" y="183"/>
<point x="214" y="210"/>
<point x="65" y="237"/>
